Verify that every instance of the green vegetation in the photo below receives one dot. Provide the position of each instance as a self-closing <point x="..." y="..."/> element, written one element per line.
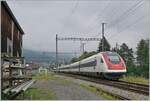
<point x="38" y="94"/>
<point x="101" y="93"/>
<point x="135" y="79"/>
<point x="88" y="54"/>
<point x="104" y="45"/>
<point x="45" y="77"/>
<point x="42" y="93"/>
<point x="136" y="66"/>
<point x="143" y="57"/>
<point x="51" y="76"/>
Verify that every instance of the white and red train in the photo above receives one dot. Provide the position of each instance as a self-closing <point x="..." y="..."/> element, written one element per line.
<point x="107" y="64"/>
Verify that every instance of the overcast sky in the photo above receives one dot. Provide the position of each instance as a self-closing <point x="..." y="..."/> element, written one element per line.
<point x="127" y="22"/>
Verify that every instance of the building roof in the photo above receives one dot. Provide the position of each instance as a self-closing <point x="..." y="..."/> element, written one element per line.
<point x="6" y="7"/>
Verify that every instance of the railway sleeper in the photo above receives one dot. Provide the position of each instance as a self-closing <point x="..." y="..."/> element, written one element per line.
<point x="117" y="84"/>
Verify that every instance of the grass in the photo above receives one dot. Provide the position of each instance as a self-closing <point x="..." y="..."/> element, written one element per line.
<point x="100" y="93"/>
<point x="44" y="77"/>
<point x="38" y="94"/>
<point x="135" y="79"/>
<point x="41" y="93"/>
<point x="51" y="76"/>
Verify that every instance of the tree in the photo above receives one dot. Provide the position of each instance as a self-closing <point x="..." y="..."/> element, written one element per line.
<point x="142" y="52"/>
<point x="127" y="54"/>
<point x="143" y="56"/>
<point x="74" y="59"/>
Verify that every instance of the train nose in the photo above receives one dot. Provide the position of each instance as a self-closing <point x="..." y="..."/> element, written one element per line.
<point x="114" y="61"/>
<point x="116" y="67"/>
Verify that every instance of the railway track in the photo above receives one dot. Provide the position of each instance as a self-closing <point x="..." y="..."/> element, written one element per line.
<point x="134" y="87"/>
<point x="112" y="94"/>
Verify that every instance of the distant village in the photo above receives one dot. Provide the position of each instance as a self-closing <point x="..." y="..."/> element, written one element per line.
<point x="32" y="68"/>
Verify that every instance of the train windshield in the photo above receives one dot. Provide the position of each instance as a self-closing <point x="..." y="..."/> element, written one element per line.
<point x="114" y="58"/>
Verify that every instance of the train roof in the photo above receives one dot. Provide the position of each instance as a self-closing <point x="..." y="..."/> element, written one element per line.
<point x="109" y="52"/>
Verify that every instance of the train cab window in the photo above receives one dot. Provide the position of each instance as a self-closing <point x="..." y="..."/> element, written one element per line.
<point x="102" y="60"/>
<point x="114" y="58"/>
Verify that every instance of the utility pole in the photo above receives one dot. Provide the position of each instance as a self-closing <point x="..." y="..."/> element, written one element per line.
<point x="103" y="36"/>
<point x="116" y="46"/>
<point x="56" y="52"/>
<point x="82" y="47"/>
<point x="72" y="39"/>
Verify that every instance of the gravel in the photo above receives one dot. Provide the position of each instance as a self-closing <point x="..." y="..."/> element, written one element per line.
<point x="124" y="93"/>
<point x="66" y="91"/>
<point x="72" y="91"/>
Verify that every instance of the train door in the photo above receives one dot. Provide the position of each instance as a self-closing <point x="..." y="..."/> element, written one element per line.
<point x="94" y="65"/>
<point x="101" y="67"/>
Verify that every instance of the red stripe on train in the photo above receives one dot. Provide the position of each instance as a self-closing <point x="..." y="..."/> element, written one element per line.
<point x="119" y="66"/>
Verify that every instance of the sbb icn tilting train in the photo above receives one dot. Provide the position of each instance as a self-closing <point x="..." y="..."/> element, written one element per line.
<point x="104" y="64"/>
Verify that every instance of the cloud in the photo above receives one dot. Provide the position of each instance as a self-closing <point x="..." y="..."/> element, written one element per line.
<point x="42" y="20"/>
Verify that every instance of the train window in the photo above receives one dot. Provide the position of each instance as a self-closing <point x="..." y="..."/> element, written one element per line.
<point x="114" y="58"/>
<point x="102" y="60"/>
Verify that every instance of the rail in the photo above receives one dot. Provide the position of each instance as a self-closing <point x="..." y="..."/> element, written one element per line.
<point x="134" y="87"/>
<point x="112" y="94"/>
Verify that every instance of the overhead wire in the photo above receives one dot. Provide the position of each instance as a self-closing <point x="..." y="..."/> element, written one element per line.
<point x="118" y="19"/>
<point x="129" y="24"/>
<point x="106" y="7"/>
<point x="126" y="14"/>
<point x="131" y="10"/>
<point x="73" y="10"/>
<point x="100" y="14"/>
<point x="136" y="21"/>
<point x="96" y="25"/>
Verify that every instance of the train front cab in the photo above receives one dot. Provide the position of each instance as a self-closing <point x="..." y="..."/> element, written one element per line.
<point x="115" y="67"/>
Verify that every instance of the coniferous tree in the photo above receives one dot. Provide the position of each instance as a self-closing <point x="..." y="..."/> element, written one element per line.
<point x="105" y="46"/>
<point x="127" y="54"/>
<point x="143" y="57"/>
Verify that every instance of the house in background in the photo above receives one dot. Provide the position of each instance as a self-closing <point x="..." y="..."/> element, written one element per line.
<point x="32" y="68"/>
<point x="43" y="70"/>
